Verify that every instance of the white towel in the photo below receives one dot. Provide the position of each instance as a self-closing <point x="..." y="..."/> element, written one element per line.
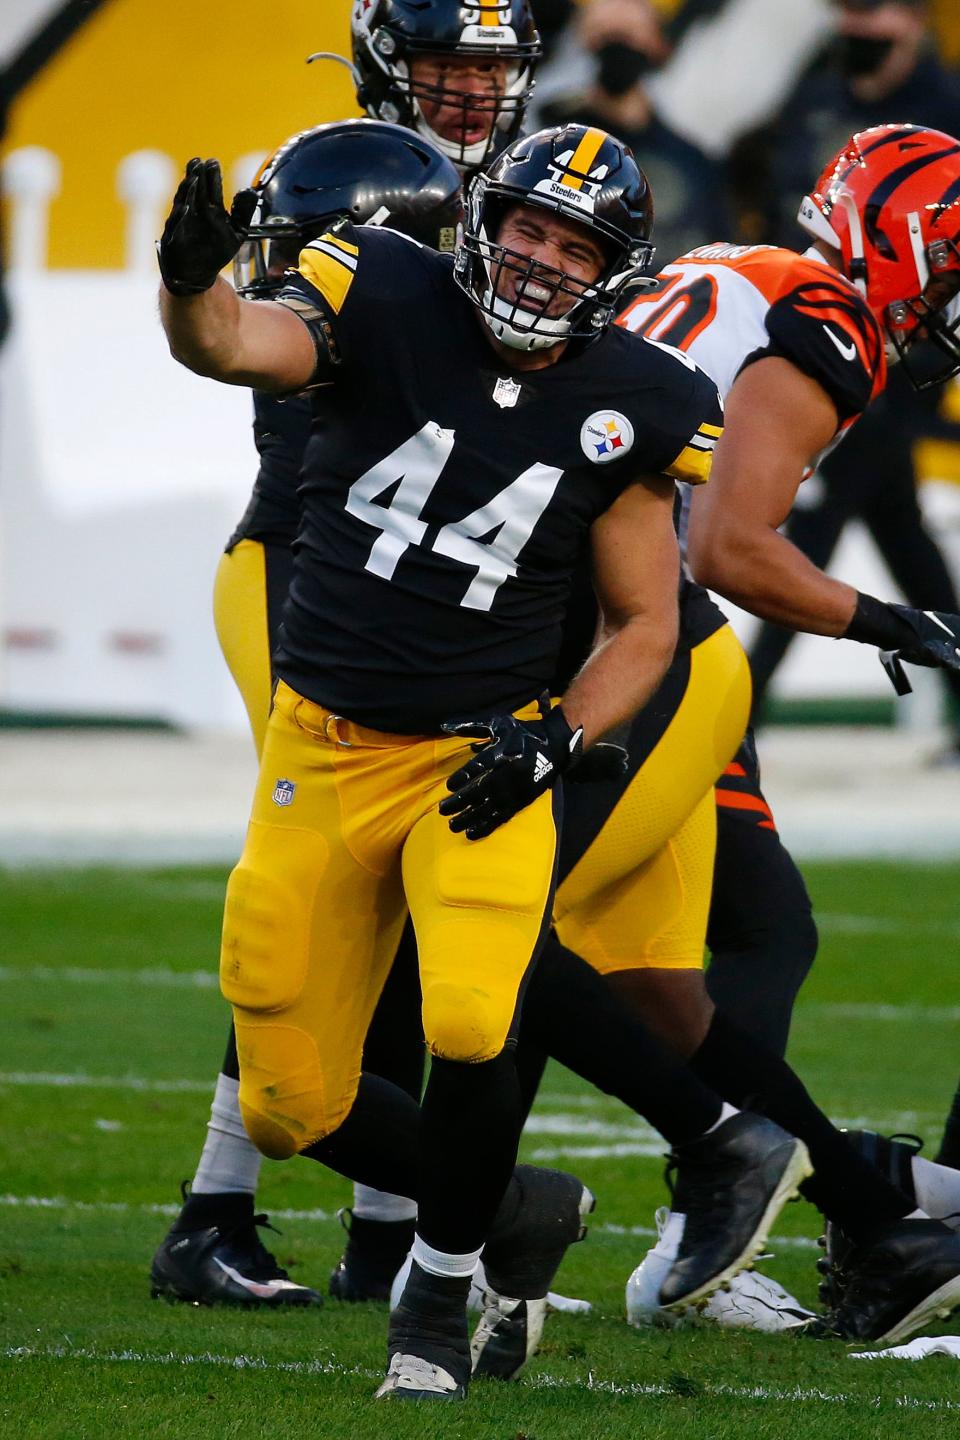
<point x="916" y="1349"/>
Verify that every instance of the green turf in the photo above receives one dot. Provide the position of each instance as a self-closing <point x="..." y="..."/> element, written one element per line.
<point x="86" y="990"/>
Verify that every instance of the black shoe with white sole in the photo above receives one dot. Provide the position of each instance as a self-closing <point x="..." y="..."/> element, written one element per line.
<point x="213" y="1255"/>
<point x="907" y="1275"/>
<point x="730" y="1186"/>
<point x="893" y="1156"/>
<point x="542" y="1218"/>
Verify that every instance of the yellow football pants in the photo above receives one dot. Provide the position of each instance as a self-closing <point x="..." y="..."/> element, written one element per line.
<point x="344" y="836"/>
<point x="640" y="895"/>
<point x="240" y="618"/>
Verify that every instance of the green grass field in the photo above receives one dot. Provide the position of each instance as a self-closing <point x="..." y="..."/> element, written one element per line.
<point x="112" y="1032"/>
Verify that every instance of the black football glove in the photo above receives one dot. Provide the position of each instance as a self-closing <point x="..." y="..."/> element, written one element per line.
<point x="199" y="237"/>
<point x="937" y="645"/>
<point x="515" y="761"/>
<point x="920" y="637"/>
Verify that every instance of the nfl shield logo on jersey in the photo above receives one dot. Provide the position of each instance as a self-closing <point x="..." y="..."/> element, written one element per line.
<point x="506" y="393"/>
<point x="283" y="792"/>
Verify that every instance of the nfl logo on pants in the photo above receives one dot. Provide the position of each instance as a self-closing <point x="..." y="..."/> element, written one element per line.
<point x="283" y="792"/>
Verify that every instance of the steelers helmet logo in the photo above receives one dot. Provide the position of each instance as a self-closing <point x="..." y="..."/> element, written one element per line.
<point x="605" y="436"/>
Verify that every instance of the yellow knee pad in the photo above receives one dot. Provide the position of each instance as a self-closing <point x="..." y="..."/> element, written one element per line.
<point x="461" y="1022"/>
<point x="265" y="948"/>
<point x="284" y="1099"/>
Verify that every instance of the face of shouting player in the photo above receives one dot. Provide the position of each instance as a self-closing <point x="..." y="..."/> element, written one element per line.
<point x="552" y="245"/>
<point x="459" y="95"/>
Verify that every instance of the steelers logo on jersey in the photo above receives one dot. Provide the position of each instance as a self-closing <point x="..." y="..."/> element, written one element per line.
<point x="605" y="436"/>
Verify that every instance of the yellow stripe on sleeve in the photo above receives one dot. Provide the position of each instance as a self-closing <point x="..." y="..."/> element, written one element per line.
<point x="583" y="157"/>
<point x="715" y="430"/>
<point x="692" y="465"/>
<point x="331" y="277"/>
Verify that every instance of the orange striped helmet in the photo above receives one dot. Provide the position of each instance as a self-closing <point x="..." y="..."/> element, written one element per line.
<point x="890" y="203"/>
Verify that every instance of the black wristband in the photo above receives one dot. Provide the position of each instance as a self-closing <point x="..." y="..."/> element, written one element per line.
<point x="877" y="623"/>
<point x="566" y="744"/>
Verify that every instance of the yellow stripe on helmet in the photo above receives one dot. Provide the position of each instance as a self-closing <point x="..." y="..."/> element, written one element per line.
<point x="583" y="157"/>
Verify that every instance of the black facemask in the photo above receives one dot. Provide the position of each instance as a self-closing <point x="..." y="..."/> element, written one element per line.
<point x="860" y="54"/>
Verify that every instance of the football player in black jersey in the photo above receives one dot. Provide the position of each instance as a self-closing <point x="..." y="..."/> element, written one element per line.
<point x="460" y="75"/>
<point x="404" y="614"/>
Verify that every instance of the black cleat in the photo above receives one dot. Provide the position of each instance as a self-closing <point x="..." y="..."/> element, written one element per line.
<point x="375" y="1251"/>
<point x="428" y="1348"/>
<point x="730" y="1186"/>
<point x="213" y="1255"/>
<point x="907" y="1275"/>
<point x="893" y="1157"/>
<point x="538" y="1223"/>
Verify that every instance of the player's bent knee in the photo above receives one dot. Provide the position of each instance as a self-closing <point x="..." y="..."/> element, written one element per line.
<point x="463" y="1023"/>
<point x="286" y="1099"/>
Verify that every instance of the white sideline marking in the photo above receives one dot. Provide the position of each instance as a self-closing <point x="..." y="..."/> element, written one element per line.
<point x="157" y="976"/>
<point x="160" y="977"/>
<point x="45" y="1078"/>
<point x="884" y="925"/>
<point x="763" y="1393"/>
<point x="122" y="1207"/>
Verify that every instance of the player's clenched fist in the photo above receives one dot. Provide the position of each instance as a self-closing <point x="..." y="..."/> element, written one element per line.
<point x="200" y="236"/>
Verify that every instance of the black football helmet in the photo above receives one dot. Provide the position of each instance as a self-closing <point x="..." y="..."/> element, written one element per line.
<point x="579" y="172"/>
<point x="364" y="170"/>
<point x="389" y="34"/>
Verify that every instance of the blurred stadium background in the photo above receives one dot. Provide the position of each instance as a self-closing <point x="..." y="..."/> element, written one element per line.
<point x="121" y="475"/>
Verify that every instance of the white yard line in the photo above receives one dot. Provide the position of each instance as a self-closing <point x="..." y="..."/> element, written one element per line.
<point x="121" y="1207"/>
<point x="764" y="1394"/>
<point x="160" y="977"/>
<point x="157" y="977"/>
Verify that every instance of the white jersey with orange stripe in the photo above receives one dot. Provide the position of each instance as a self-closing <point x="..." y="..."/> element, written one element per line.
<point x="729" y="305"/>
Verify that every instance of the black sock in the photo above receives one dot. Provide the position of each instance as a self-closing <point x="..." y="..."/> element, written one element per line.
<point x="470" y="1133"/>
<point x="570" y="1011"/>
<point x="379" y="1142"/>
<point x="394" y="1047"/>
<point x="846" y="1187"/>
<point x="761" y="933"/>
<point x="231" y="1065"/>
<point x="949" y="1152"/>
<point x="531" y="1063"/>
<point x="226" y="1210"/>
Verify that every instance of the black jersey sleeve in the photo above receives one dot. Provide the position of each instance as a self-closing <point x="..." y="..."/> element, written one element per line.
<point x="684" y="422"/>
<point x="824" y="328"/>
<point x="347" y="285"/>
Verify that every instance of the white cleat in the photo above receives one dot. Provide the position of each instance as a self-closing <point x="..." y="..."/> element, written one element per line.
<point x="751" y="1302"/>
<point x="757" y="1302"/>
<point x="643" y="1287"/>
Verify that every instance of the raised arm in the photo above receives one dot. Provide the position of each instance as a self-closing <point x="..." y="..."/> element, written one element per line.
<point x="209" y="329"/>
